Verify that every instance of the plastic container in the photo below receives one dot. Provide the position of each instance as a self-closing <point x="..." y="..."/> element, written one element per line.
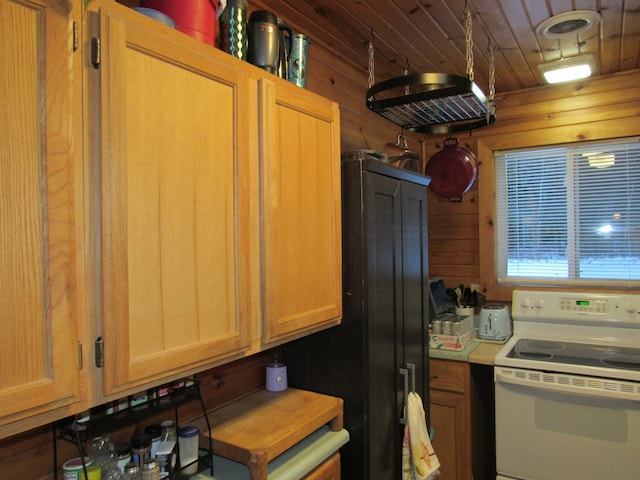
<point x="196" y="18"/>
<point x="188" y="448"/>
<point x="73" y="467"/>
<point x="73" y="470"/>
<point x="156" y="435"/>
<point x="157" y="15"/>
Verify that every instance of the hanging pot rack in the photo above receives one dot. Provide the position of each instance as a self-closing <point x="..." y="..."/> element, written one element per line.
<point x="447" y="104"/>
<point x="434" y="103"/>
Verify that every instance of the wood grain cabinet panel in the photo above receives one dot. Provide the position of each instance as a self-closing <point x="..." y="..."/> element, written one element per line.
<point x="173" y="211"/>
<point x="301" y="222"/>
<point x="450" y="417"/>
<point x="39" y="146"/>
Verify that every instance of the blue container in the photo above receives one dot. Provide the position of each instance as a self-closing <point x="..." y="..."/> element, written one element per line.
<point x="157" y="15"/>
<point x="298" y="60"/>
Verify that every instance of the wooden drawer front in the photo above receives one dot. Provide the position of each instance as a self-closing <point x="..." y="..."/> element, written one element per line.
<point x="448" y="375"/>
<point x="327" y="470"/>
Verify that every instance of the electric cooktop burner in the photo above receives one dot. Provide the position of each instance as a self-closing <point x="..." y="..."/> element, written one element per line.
<point x="625" y="358"/>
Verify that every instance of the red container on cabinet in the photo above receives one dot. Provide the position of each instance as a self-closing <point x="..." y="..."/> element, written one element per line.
<point x="196" y="18"/>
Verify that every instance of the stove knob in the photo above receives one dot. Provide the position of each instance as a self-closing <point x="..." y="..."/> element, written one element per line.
<point x="630" y="308"/>
<point x="525" y="303"/>
<point x="539" y="304"/>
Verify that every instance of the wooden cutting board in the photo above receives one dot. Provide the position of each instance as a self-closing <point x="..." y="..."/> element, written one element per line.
<point x="259" y="427"/>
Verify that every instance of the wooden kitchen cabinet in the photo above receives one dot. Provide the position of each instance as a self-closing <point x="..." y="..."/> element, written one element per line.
<point x="40" y="148"/>
<point x="450" y="417"/>
<point x="165" y="208"/>
<point x="301" y="220"/>
<point x="217" y="224"/>
<point x="171" y="125"/>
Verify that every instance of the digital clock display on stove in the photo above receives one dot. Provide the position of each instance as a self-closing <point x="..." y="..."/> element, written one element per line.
<point x="582" y="303"/>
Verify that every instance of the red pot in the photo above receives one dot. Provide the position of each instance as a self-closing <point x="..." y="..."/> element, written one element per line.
<point x="453" y="170"/>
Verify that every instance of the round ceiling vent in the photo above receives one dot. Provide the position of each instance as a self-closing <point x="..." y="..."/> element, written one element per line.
<point x="568" y="24"/>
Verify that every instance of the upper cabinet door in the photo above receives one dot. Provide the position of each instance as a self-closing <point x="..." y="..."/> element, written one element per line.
<point x="173" y="166"/>
<point x="39" y="366"/>
<point x="301" y="220"/>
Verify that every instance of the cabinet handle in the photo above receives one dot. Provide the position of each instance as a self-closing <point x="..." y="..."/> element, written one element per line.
<point x="433" y="377"/>
<point x="99" y="352"/>
<point x="409" y="382"/>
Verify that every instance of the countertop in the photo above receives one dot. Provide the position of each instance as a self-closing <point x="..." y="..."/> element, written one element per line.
<point x="478" y="351"/>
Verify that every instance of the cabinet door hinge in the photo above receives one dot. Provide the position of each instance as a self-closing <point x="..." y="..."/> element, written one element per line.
<point x="80" y="361"/>
<point x="95" y="52"/>
<point x="99" y="352"/>
<point x="75" y="36"/>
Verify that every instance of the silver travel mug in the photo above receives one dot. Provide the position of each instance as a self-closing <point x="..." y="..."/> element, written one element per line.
<point x="264" y="40"/>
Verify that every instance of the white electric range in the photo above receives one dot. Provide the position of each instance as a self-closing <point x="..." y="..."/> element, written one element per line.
<point x="568" y="388"/>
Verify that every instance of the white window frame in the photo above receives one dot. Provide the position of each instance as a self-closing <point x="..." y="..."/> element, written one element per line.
<point x="502" y="233"/>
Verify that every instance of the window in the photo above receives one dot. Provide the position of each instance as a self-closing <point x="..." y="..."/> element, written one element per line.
<point x="569" y="214"/>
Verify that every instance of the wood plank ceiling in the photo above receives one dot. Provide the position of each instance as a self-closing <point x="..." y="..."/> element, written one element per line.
<point x="423" y="36"/>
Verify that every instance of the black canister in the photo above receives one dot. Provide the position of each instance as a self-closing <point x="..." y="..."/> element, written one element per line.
<point x="233" y="29"/>
<point x="264" y="40"/>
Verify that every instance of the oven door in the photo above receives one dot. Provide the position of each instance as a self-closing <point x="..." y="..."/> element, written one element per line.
<point x="557" y="426"/>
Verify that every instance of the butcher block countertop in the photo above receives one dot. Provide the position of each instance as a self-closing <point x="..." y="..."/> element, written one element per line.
<point x="256" y="429"/>
<point x="478" y="351"/>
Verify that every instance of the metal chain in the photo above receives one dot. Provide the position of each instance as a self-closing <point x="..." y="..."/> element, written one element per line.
<point x="407" y="90"/>
<point x="491" y="110"/>
<point x="469" y="43"/>
<point x="372" y="78"/>
<point x="492" y="72"/>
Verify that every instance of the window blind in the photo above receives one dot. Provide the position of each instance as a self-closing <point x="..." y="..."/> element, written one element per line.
<point x="569" y="214"/>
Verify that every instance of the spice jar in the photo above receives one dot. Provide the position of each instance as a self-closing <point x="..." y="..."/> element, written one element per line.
<point x="141" y="448"/>
<point x="132" y="471"/>
<point x="150" y="470"/>
<point x="123" y="450"/>
<point x="156" y="435"/>
<point x="168" y="430"/>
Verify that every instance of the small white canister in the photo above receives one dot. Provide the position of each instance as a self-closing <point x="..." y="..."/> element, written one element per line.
<point x="188" y="440"/>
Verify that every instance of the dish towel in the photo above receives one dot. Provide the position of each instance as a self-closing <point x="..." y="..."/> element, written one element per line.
<point x="419" y="460"/>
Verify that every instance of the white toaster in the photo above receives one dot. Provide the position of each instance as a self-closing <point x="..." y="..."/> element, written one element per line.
<point x="494" y="323"/>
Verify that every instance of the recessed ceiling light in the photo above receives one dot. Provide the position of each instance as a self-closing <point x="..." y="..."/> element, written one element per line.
<point x="568" y="24"/>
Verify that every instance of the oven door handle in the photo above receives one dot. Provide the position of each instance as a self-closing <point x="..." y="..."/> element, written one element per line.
<point x="566" y="383"/>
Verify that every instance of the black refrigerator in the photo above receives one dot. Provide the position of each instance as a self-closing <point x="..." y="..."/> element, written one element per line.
<point x="380" y="351"/>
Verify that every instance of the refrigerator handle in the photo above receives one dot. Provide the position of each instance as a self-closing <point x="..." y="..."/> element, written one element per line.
<point x="409" y="382"/>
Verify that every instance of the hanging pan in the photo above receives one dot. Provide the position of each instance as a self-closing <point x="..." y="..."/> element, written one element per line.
<point x="400" y="155"/>
<point x="453" y="170"/>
